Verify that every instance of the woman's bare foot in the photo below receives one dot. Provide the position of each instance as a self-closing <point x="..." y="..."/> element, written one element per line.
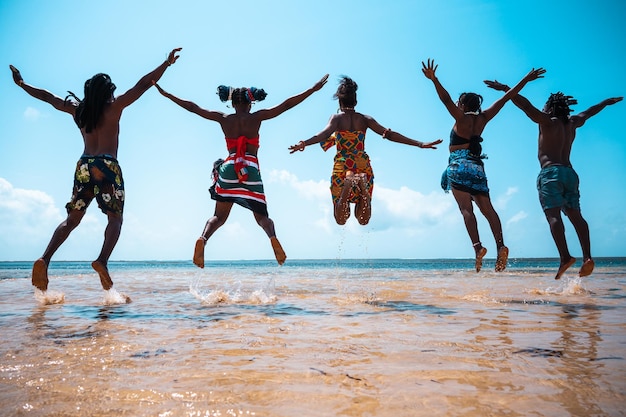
<point x="480" y="254"/>
<point x="103" y="272"/>
<point x="40" y="274"/>
<point x="587" y="268"/>
<point x="279" y="253"/>
<point x="503" y="256"/>
<point x="198" y="252"/>
<point x="563" y="267"/>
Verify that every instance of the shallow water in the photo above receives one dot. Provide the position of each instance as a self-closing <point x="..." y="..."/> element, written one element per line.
<point x="315" y="338"/>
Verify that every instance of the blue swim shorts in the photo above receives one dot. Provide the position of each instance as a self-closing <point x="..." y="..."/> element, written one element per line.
<point x="558" y="187"/>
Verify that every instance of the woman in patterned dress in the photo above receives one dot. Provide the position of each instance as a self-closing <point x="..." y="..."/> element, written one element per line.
<point x="352" y="180"/>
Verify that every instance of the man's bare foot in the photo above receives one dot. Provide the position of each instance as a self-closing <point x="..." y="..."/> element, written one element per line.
<point x="503" y="256"/>
<point x="479" y="258"/>
<point x="103" y="272"/>
<point x="587" y="268"/>
<point x="40" y="274"/>
<point x="198" y="252"/>
<point x="563" y="267"/>
<point x="278" y="251"/>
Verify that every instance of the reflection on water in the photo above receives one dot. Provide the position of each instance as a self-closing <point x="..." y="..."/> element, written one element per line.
<point x="310" y="341"/>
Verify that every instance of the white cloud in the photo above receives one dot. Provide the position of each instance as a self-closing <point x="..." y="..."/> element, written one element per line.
<point x="25" y="208"/>
<point x="24" y="214"/>
<point x="404" y="208"/>
<point x="412" y="205"/>
<point x="519" y="216"/>
<point x="311" y="190"/>
<point x="27" y="220"/>
<point x="32" y="114"/>
<point x="502" y="200"/>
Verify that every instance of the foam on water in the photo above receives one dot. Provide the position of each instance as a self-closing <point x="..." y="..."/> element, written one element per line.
<point x="112" y="297"/>
<point x="237" y="294"/>
<point x="49" y="297"/>
<point x="568" y="286"/>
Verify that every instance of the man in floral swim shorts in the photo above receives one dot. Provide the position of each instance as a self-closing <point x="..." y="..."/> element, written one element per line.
<point x="98" y="175"/>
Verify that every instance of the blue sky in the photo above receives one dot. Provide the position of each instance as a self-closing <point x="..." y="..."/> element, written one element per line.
<point x="284" y="47"/>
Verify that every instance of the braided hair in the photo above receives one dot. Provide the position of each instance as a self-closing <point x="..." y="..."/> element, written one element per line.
<point x="98" y="91"/>
<point x="558" y="105"/>
<point x="240" y="95"/>
<point x="346" y="92"/>
<point x="471" y="101"/>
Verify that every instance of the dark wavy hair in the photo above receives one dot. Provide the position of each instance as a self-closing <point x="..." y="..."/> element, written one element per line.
<point x="558" y="105"/>
<point x="240" y="95"/>
<point x="472" y="101"/>
<point x="346" y="92"/>
<point x="98" y="91"/>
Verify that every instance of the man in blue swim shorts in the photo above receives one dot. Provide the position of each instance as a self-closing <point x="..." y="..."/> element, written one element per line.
<point x="558" y="188"/>
<point x="557" y="182"/>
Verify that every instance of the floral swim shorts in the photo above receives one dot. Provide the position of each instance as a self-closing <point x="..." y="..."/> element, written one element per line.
<point x="98" y="176"/>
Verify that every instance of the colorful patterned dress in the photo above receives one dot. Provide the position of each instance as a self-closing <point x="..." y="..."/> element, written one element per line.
<point x="238" y="179"/>
<point x="350" y="156"/>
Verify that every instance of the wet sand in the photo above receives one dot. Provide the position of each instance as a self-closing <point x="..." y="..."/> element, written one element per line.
<point x="300" y="341"/>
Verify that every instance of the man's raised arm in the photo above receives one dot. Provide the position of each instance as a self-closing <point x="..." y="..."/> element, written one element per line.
<point x="43" y="95"/>
<point x="582" y="117"/>
<point x="520" y="101"/>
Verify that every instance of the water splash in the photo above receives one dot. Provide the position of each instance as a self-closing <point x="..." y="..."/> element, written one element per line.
<point x="234" y="295"/>
<point x="111" y="297"/>
<point x="49" y="297"/>
<point x="574" y="286"/>
<point x="568" y="286"/>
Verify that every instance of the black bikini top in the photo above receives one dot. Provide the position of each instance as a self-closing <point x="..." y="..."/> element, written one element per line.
<point x="457" y="140"/>
<point x="474" y="142"/>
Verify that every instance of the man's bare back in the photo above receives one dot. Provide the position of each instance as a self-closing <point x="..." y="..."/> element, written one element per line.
<point x="104" y="139"/>
<point x="555" y="141"/>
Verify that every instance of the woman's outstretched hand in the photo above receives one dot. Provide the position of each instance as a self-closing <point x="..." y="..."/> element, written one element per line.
<point x="318" y="85"/>
<point x="298" y="146"/>
<point x="429" y="69"/>
<point x="534" y="74"/>
<point x="172" y="57"/>
<point x="431" y="145"/>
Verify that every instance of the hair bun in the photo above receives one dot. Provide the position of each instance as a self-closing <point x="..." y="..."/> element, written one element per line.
<point x="224" y="92"/>
<point x="258" y="94"/>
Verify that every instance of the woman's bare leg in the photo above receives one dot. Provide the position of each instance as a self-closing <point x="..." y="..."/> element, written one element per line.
<point x="363" y="209"/>
<point x="222" y="211"/>
<point x="484" y="204"/>
<point x="464" y="201"/>
<point x="342" y="206"/>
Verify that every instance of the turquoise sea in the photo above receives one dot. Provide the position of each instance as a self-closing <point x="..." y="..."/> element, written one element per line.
<point x="369" y="337"/>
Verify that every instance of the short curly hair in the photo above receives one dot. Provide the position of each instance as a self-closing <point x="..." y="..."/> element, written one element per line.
<point x="558" y="105"/>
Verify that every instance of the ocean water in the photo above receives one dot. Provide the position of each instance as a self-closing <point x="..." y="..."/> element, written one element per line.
<point x="315" y="338"/>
